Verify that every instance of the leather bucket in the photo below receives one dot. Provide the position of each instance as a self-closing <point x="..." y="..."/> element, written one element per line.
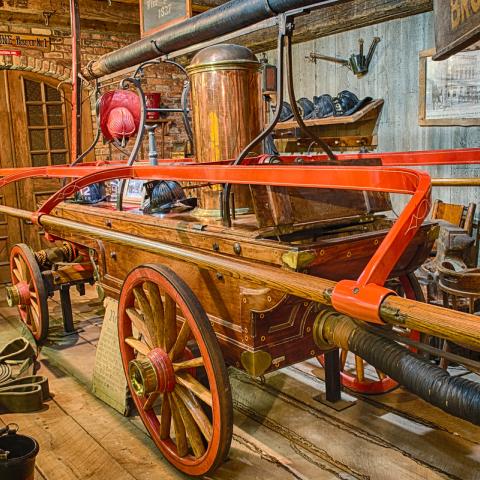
<point x="17" y="456"/>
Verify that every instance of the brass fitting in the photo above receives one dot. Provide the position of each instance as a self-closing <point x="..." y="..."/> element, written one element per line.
<point x="332" y="329"/>
<point x="143" y="377"/>
<point x="13" y="296"/>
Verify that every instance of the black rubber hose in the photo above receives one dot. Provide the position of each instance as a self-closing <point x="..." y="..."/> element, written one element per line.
<point x="455" y="395"/>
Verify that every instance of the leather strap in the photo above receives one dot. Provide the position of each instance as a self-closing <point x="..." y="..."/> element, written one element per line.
<point x="20" y="393"/>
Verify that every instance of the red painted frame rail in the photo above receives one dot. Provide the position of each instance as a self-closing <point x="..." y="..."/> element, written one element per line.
<point x="360" y="298"/>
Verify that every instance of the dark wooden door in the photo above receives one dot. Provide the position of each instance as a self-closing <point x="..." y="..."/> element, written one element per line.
<point x="34" y="121"/>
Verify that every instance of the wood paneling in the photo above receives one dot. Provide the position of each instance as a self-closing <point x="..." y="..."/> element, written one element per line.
<point x="331" y="20"/>
<point x="95" y="15"/>
<point x="393" y="76"/>
<point x="25" y="127"/>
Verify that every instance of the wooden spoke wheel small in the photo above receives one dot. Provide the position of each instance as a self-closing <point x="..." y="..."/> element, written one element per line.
<point x="183" y="398"/>
<point x="362" y="378"/>
<point x="28" y="291"/>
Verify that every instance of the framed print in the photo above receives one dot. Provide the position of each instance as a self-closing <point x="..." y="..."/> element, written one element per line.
<point x="449" y="90"/>
<point x="133" y="192"/>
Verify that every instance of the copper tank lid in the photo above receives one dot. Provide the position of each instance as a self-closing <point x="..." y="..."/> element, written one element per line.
<point x="223" y="56"/>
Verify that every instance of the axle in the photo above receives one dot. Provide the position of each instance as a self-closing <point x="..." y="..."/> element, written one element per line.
<point x="456" y="326"/>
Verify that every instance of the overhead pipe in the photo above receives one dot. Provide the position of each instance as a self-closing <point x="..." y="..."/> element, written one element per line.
<point x="226" y="18"/>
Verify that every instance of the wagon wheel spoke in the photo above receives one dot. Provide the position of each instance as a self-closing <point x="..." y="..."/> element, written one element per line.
<point x="191" y="428"/>
<point x="137" y="321"/>
<point x="156" y="304"/>
<point x="17" y="274"/>
<point x="35" y="319"/>
<point x="22" y="268"/>
<point x="170" y="323"/>
<point x="180" y="434"/>
<point x="165" y="418"/>
<point x="180" y="342"/>
<point x="147" y="313"/>
<point x="195" y="387"/>
<point x="150" y="401"/>
<point x="29" y="317"/>
<point x="35" y="306"/>
<point x="193" y="363"/>
<point x="196" y="410"/>
<point x="359" y="368"/>
<point x="137" y="345"/>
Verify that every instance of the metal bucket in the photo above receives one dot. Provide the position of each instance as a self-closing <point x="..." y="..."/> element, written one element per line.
<point x="17" y="456"/>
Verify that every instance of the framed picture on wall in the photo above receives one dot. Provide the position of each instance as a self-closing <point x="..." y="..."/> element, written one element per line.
<point x="449" y="90"/>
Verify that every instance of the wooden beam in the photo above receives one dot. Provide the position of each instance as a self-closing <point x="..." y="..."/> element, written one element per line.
<point x="338" y="18"/>
<point x="94" y="15"/>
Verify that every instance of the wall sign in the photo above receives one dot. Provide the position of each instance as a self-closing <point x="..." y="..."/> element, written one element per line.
<point x="155" y="15"/>
<point x="13" y="41"/>
<point x="457" y="25"/>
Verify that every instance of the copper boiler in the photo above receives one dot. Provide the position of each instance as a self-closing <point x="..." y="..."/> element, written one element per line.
<point x="227" y="114"/>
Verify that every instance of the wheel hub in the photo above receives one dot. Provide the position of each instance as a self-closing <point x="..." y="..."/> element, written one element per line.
<point x="18" y="294"/>
<point x="154" y="373"/>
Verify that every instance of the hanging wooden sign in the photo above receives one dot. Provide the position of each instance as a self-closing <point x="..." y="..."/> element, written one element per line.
<point x="457" y="26"/>
<point x="155" y="15"/>
<point x="14" y="41"/>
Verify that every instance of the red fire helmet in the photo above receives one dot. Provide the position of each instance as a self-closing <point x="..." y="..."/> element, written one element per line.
<point x="119" y="114"/>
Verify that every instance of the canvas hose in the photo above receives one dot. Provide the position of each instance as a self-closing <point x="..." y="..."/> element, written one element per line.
<point x="20" y="391"/>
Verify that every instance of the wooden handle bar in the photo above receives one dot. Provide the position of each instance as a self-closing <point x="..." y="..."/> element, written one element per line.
<point x="455" y="326"/>
<point x="456" y="182"/>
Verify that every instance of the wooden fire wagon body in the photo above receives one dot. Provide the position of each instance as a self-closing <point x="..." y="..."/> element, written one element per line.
<point x="245" y="316"/>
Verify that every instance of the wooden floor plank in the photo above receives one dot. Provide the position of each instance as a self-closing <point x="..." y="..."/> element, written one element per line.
<point x="408" y="404"/>
<point x="344" y="437"/>
<point x="67" y="451"/>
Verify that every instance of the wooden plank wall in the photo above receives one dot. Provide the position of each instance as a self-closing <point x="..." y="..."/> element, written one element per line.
<point x="393" y="76"/>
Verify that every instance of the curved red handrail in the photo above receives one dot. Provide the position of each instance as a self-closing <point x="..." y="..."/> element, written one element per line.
<point x="360" y="298"/>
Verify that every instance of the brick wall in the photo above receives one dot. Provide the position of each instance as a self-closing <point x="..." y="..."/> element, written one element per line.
<point x="56" y="63"/>
<point x="167" y="80"/>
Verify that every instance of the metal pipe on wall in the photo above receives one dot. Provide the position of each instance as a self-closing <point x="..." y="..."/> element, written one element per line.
<point x="226" y="18"/>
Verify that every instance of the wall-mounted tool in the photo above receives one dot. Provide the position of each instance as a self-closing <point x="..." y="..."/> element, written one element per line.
<point x="357" y="63"/>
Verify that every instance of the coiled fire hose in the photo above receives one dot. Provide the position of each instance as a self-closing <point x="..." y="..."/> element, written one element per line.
<point x="20" y="391"/>
<point x="455" y="395"/>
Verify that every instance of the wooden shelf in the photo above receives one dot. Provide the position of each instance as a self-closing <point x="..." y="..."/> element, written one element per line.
<point x="371" y="108"/>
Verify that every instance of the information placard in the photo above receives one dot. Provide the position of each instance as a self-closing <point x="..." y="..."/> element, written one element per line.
<point x="156" y="15"/>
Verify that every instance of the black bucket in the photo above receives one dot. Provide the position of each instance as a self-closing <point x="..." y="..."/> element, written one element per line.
<point x="20" y="461"/>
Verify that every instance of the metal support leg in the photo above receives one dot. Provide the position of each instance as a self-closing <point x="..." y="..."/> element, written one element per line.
<point x="66" y="309"/>
<point x="333" y="390"/>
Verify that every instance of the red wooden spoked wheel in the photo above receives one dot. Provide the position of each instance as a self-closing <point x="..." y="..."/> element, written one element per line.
<point x="361" y="378"/>
<point x="160" y="324"/>
<point x="28" y="291"/>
